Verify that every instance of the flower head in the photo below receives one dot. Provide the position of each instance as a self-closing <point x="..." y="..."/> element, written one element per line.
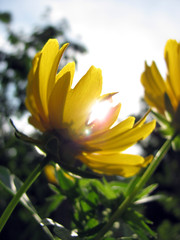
<point x="63" y="113"/>
<point x="164" y="95"/>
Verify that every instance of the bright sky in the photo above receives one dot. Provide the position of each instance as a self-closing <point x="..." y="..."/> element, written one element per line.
<point x="119" y="34"/>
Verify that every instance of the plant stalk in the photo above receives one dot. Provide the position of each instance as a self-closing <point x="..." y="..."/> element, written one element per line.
<point x="139" y="185"/>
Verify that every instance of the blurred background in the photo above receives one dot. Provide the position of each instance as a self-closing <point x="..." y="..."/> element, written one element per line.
<point x="114" y="35"/>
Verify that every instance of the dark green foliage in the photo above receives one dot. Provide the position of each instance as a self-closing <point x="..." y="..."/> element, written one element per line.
<point x="90" y="203"/>
<point x="5" y="17"/>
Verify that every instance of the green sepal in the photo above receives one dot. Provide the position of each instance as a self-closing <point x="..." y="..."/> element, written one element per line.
<point x="169" y="108"/>
<point x="161" y="119"/>
<point x="176" y="119"/>
<point x="167" y="132"/>
<point x="166" y="129"/>
<point x="24" y="137"/>
<point x="176" y="143"/>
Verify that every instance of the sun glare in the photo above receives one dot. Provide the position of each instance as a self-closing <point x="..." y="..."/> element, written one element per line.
<point x="100" y="111"/>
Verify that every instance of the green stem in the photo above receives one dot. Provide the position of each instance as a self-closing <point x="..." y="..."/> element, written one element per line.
<point x="130" y="197"/>
<point x="29" y="181"/>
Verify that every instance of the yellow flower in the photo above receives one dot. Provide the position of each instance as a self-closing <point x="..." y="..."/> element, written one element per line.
<point x="50" y="172"/>
<point x="59" y="110"/>
<point x="164" y="95"/>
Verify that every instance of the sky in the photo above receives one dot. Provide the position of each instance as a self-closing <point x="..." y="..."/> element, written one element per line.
<point x="119" y="35"/>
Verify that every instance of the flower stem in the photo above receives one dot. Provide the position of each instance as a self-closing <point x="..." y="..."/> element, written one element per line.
<point x="138" y="186"/>
<point x="29" y="181"/>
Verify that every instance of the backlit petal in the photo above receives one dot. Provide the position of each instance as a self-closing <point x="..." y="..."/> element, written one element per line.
<point x="172" y="57"/>
<point x="81" y="99"/>
<point x="70" y="67"/>
<point x="48" y="64"/>
<point x="113" y="132"/>
<point x="99" y="126"/>
<point x="36" y="123"/>
<point x="154" y="87"/>
<point x="125" y="140"/>
<point x="33" y="100"/>
<point x="57" y="100"/>
<point x="54" y="69"/>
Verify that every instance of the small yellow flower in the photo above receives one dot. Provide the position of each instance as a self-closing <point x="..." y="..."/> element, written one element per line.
<point x="50" y="173"/>
<point x="160" y="93"/>
<point x="164" y="95"/>
<point x="61" y="111"/>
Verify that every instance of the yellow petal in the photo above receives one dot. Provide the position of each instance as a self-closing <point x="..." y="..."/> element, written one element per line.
<point x="125" y="140"/>
<point x="81" y="99"/>
<point x="36" y="123"/>
<point x="33" y="101"/>
<point x="54" y="69"/>
<point x="172" y="57"/>
<point x="142" y="120"/>
<point x="99" y="126"/>
<point x="155" y="101"/>
<point x="154" y="87"/>
<point x="59" y="94"/>
<point x="152" y="80"/>
<point x="50" y="173"/>
<point x="113" y="159"/>
<point x="47" y="66"/>
<point x="57" y="100"/>
<point x="113" y="132"/>
<point x="174" y="101"/>
<point x="147" y="160"/>
<point x="118" y="164"/>
<point x="70" y="67"/>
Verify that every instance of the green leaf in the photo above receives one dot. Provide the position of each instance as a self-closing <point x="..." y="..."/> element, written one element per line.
<point x="138" y="224"/>
<point x="59" y="230"/>
<point x="118" y="187"/>
<point x="54" y="202"/>
<point x="66" y="182"/>
<point x="91" y="231"/>
<point x="146" y="191"/>
<point x="54" y="188"/>
<point x="104" y="189"/>
<point x="12" y="184"/>
<point x="156" y="197"/>
<point x="176" y="143"/>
